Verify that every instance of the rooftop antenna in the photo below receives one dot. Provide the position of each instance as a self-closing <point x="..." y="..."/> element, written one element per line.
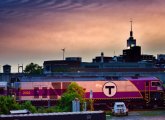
<point x="131" y="32"/>
<point x="0" y="68"/>
<point x="114" y="53"/>
<point x="63" y="52"/>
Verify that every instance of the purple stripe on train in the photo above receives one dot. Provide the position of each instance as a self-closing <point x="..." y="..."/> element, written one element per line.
<point x="95" y="94"/>
<point x="117" y="95"/>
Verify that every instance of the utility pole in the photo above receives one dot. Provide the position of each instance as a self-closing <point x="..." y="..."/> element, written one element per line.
<point x="63" y="51"/>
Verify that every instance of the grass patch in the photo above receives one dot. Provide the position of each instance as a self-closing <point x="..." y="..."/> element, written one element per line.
<point x="108" y="112"/>
<point x="108" y="115"/>
<point x="152" y="113"/>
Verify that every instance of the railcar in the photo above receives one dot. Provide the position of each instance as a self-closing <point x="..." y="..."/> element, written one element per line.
<point x="134" y="91"/>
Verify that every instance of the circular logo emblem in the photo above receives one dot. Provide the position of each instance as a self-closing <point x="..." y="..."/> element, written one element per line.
<point x="109" y="89"/>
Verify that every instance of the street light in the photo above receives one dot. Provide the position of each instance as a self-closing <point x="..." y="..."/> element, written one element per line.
<point x="91" y="100"/>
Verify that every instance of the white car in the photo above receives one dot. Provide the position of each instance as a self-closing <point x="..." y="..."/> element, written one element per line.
<point x="119" y="109"/>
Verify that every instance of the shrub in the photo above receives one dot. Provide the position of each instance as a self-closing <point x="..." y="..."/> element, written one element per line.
<point x="8" y="103"/>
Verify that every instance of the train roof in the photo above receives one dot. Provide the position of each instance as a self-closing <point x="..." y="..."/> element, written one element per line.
<point x="52" y="79"/>
<point x="140" y="78"/>
<point x="57" y="79"/>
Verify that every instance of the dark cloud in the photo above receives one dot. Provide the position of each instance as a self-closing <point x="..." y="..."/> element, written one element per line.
<point x="18" y="7"/>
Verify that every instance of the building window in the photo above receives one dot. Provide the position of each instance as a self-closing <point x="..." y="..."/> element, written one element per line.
<point x="44" y="92"/>
<point x="36" y="92"/>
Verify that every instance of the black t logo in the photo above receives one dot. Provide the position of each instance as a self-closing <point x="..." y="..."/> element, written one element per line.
<point x="110" y="88"/>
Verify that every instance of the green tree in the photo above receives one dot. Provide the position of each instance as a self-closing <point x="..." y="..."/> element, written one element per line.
<point x="8" y="103"/>
<point x="73" y="91"/>
<point x="33" y="68"/>
<point x="27" y="105"/>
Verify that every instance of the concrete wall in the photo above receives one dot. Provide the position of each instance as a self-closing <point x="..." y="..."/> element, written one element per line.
<point x="93" y="115"/>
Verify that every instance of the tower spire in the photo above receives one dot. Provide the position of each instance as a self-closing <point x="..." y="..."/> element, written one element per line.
<point x="131" y="32"/>
<point x="131" y="41"/>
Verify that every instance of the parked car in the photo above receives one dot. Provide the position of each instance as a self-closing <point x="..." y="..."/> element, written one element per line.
<point x="119" y="109"/>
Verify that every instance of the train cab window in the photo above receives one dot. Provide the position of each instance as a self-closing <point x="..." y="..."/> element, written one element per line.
<point x="36" y="92"/>
<point x="154" y="84"/>
<point x="44" y="92"/>
<point x="2" y="91"/>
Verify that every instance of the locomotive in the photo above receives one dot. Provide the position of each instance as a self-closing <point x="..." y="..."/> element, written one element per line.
<point x="134" y="91"/>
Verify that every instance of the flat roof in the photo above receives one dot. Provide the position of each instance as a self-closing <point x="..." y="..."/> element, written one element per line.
<point x="3" y="84"/>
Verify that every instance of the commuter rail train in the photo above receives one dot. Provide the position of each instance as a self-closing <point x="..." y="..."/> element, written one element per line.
<point x="134" y="91"/>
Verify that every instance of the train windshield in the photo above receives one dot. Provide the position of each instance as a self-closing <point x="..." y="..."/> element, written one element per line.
<point x="156" y="84"/>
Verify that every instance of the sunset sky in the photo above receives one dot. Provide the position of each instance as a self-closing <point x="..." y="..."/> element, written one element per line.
<point x="37" y="30"/>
